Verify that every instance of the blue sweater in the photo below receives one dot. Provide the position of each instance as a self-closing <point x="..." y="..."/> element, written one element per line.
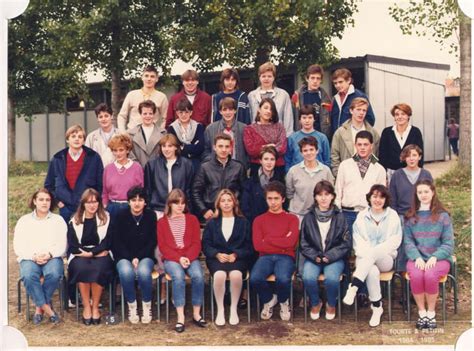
<point x="243" y="110"/>
<point x="293" y="155"/>
<point x="402" y="190"/>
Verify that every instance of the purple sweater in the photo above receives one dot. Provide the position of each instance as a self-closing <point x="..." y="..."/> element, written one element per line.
<point x="116" y="185"/>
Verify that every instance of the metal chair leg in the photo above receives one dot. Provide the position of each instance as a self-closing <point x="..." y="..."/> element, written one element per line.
<point x="211" y="288"/>
<point x="122" y="303"/>
<point x="27" y="306"/>
<point x="167" y="301"/>
<point x="305" y="305"/>
<point x="77" y="303"/>
<point x="355" y="310"/>
<point x="19" y="295"/>
<point x="444" y="302"/>
<point x="339" y="302"/>
<point x="389" y="284"/>
<point x="158" y="297"/>
<point x="291" y="302"/>
<point x="248" y="300"/>
<point x="408" y="300"/>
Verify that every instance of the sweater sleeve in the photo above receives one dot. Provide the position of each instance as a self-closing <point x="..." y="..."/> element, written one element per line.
<point x="122" y="117"/>
<point x="290" y="186"/>
<point x="394" y="237"/>
<point x="20" y="241"/>
<point x="196" y="148"/>
<point x="72" y="241"/>
<point x="105" y="244"/>
<point x="290" y="241"/>
<point x="166" y="243"/>
<point x="253" y="142"/>
<point x="210" y="251"/>
<point x="409" y="241"/>
<point x="194" y="249"/>
<point x="445" y="250"/>
<point x="361" y="243"/>
<point x="105" y="190"/>
<point x="383" y="146"/>
<point x="335" y="153"/>
<point x="394" y="193"/>
<point x="149" y="249"/>
<point x="325" y="151"/>
<point x="288" y="115"/>
<point x="289" y="155"/>
<point x="59" y="244"/>
<point x="281" y="143"/>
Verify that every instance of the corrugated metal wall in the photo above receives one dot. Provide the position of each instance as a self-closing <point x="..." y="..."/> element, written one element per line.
<point x="421" y="88"/>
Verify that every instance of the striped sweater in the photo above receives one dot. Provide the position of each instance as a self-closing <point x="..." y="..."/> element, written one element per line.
<point x="426" y="238"/>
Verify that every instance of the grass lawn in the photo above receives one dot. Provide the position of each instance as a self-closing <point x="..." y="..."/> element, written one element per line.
<point x="455" y="192"/>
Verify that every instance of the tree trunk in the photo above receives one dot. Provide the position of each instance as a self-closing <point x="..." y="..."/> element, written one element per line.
<point x="11" y="131"/>
<point x="115" y="94"/>
<point x="465" y="101"/>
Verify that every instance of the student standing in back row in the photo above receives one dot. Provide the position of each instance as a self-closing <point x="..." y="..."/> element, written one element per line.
<point x="129" y="115"/>
<point x="268" y="89"/>
<point x="346" y="92"/>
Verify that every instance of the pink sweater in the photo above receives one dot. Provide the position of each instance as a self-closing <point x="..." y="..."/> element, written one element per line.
<point x="116" y="185"/>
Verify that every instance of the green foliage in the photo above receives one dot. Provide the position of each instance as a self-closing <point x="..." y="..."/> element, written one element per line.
<point x="20" y="168"/>
<point x="247" y="33"/>
<point x="437" y="19"/>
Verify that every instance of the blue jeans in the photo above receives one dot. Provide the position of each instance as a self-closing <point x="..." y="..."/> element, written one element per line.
<point x="113" y="208"/>
<point x="127" y="275"/>
<point x="31" y="272"/>
<point x="177" y="273"/>
<point x="350" y="218"/>
<point x="331" y="271"/>
<point x="282" y="266"/>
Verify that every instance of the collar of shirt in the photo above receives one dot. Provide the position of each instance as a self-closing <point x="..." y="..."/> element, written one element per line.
<point x="311" y="171"/>
<point x="35" y="216"/>
<point x="372" y="159"/>
<point x="75" y="156"/>
<point x="401" y="137"/>
<point x="262" y="175"/>
<point x="126" y="166"/>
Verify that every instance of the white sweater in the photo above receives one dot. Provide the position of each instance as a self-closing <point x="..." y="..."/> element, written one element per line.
<point x="351" y="189"/>
<point x="95" y="141"/>
<point x="38" y="236"/>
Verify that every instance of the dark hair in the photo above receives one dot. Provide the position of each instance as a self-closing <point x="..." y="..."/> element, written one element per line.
<point x="408" y="149"/>
<point x="183" y="104"/>
<point x="147" y="104"/>
<point x="228" y="102"/>
<point x="309" y="140"/>
<point x="236" y="210"/>
<point x="268" y="149"/>
<point x="436" y="207"/>
<point x="102" y="107"/>
<point x="382" y="190"/>
<point x="365" y="134"/>
<point x="306" y="110"/>
<point x="86" y="195"/>
<point x="324" y="185"/>
<point x="150" y="68"/>
<point x="135" y="191"/>
<point x="314" y="69"/>
<point x="227" y="73"/>
<point x="176" y="195"/>
<point x="31" y="203"/>
<point x="222" y="136"/>
<point x="277" y="187"/>
<point x="272" y="106"/>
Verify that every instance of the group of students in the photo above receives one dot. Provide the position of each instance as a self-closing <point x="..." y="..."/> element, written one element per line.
<point x="133" y="201"/>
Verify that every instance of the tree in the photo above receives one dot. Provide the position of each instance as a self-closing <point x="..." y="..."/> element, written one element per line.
<point x="248" y="33"/>
<point x="440" y="19"/>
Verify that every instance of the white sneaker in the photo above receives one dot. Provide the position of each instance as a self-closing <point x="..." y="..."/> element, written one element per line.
<point x="267" y="310"/>
<point x="234" y="317"/>
<point x="350" y="295"/>
<point x="132" y="312"/>
<point x="285" y="311"/>
<point x="330" y="316"/>
<point x="376" y="315"/>
<point x="147" y="316"/>
<point x="315" y="316"/>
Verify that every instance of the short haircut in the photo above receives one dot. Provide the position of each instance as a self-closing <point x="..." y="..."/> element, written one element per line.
<point x="357" y="102"/>
<point x="169" y="138"/>
<point x="150" y="68"/>
<point x="267" y="67"/>
<point x="276" y="186"/>
<point x="102" y="107"/>
<point x="382" y="190"/>
<point x="309" y="140"/>
<point x="272" y="106"/>
<point x="190" y="74"/>
<point x="408" y="149"/>
<point x="268" y="149"/>
<point x="222" y="136"/>
<point x="76" y="128"/>
<point x="226" y="74"/>
<point x="31" y="203"/>
<point x="343" y="73"/>
<point x="403" y="107"/>
<point x="306" y="110"/>
<point x="365" y="134"/>
<point x="121" y="140"/>
<point x="147" y="104"/>
<point x="228" y="102"/>
<point x="324" y="185"/>
<point x="183" y="104"/>
<point x="135" y="191"/>
<point x="314" y="69"/>
<point x="175" y="196"/>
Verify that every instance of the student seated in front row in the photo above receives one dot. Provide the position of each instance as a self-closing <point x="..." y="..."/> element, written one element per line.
<point x="275" y="236"/>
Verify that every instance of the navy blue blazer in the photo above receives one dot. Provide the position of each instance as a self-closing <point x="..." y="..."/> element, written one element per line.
<point x="90" y="177"/>
<point x="240" y="241"/>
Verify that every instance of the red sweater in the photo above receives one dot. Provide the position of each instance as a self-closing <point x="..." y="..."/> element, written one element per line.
<point x="270" y="232"/>
<point x="254" y="140"/>
<point x="192" y="239"/>
<point x="73" y="169"/>
<point x="201" y="107"/>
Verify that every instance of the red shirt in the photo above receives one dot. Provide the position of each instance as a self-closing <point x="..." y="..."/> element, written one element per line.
<point x="270" y="233"/>
<point x="167" y="242"/>
<point x="201" y="107"/>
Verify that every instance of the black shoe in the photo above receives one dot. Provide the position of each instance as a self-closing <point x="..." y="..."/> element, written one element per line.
<point x="242" y="305"/>
<point x="54" y="319"/>
<point x="362" y="300"/>
<point x="200" y="323"/>
<point x="421" y="323"/>
<point x="431" y="323"/>
<point x="179" y="327"/>
<point x="87" y="321"/>
<point x="95" y="321"/>
<point x="37" y="318"/>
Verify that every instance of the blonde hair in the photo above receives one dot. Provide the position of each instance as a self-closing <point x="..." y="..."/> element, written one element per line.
<point x="76" y="128"/>
<point x="236" y="209"/>
<point x="267" y="67"/>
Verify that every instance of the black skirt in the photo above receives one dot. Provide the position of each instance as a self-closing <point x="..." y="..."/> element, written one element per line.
<point x="214" y="265"/>
<point x="98" y="270"/>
